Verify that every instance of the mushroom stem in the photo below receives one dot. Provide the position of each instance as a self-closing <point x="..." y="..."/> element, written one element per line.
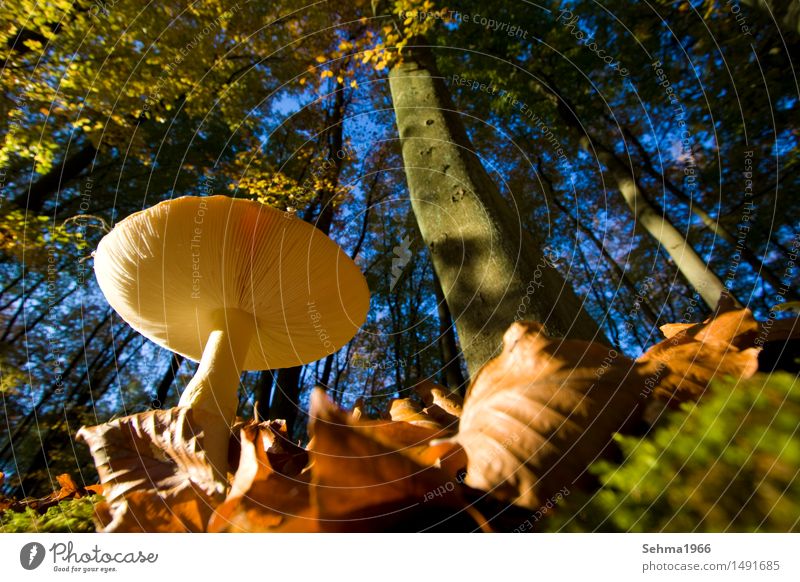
<point x="212" y="394"/>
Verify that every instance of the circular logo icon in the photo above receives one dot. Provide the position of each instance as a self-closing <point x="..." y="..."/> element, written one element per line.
<point x="31" y="555"/>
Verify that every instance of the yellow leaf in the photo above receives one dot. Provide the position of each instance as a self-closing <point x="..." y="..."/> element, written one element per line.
<point x="321" y="59"/>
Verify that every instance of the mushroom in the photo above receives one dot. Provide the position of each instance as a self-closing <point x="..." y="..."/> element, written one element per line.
<point x="235" y="285"/>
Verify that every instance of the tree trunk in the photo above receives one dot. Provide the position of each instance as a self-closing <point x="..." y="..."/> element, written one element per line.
<point x="487" y="264"/>
<point x="58" y="177"/>
<point x="711" y="223"/>
<point x="162" y="392"/>
<point x="285" y="396"/>
<point x="693" y="268"/>
<point x="451" y="365"/>
<point x="286" y="393"/>
<point x="264" y="387"/>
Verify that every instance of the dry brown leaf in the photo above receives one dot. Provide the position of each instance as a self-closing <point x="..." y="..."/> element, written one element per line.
<point x="405" y="410"/>
<point x="67" y="489"/>
<point x="154" y="472"/>
<point x="539" y="414"/>
<point x="443" y="406"/>
<point x="360" y="482"/>
<point x="262" y="499"/>
<point x="692" y="355"/>
<point x="363" y="476"/>
<point x="427" y="446"/>
<point x="96" y="489"/>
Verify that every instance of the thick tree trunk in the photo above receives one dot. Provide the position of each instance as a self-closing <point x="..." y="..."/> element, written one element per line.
<point x="488" y="265"/>
<point x="451" y="365"/>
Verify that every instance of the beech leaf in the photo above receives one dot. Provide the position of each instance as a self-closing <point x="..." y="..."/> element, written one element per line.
<point x="405" y="410"/>
<point x="363" y="482"/>
<point x="262" y="499"/>
<point x="539" y="414"/>
<point x="154" y="472"/>
<point x="442" y="405"/>
<point x="693" y="354"/>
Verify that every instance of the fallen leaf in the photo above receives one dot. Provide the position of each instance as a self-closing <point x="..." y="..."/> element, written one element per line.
<point x="443" y="406"/>
<point x="405" y="410"/>
<point x="361" y="483"/>
<point x="154" y="472"/>
<point x="693" y="354"/>
<point x="261" y="498"/>
<point x="68" y="489"/>
<point x="539" y="414"/>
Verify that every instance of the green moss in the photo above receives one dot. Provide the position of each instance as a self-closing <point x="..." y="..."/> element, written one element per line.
<point x="71" y="516"/>
<point x="729" y="463"/>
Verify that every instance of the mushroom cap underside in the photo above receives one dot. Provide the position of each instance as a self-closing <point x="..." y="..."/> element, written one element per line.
<point x="175" y="270"/>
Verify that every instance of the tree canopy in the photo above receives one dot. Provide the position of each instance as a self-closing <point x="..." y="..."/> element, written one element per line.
<point x="602" y="170"/>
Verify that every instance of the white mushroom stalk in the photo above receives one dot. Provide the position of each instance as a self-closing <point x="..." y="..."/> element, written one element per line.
<point x="213" y="392"/>
<point x="235" y="285"/>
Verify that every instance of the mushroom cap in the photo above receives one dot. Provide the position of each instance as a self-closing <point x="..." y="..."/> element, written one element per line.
<point x="174" y="272"/>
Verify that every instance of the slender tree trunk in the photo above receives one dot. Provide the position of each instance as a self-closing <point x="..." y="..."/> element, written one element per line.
<point x="58" y="177"/>
<point x="50" y="392"/>
<point x="711" y="223"/>
<point x="162" y="392"/>
<point x="285" y="396"/>
<point x="619" y="273"/>
<point x="699" y="276"/>
<point x="78" y="397"/>
<point x="264" y="387"/>
<point x="325" y="379"/>
<point x="335" y="146"/>
<point x="484" y="259"/>
<point x="286" y="392"/>
<point x="691" y="266"/>
<point x="601" y="300"/>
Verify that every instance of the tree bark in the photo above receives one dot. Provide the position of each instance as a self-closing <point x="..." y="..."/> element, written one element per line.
<point x="162" y="392"/>
<point x="486" y="262"/>
<point x="285" y="394"/>
<point x="58" y="177"/>
<point x="699" y="276"/>
<point x="263" y="392"/>
<point x="451" y="365"/>
<point x="711" y="223"/>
